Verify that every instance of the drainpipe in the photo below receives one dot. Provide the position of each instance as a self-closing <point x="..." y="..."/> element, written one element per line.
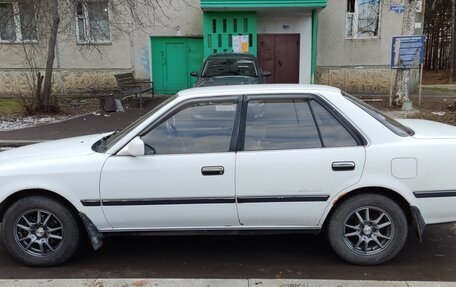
<point x="314" y="45"/>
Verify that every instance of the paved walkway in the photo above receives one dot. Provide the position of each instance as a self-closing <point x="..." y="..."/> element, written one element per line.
<point x="88" y="124"/>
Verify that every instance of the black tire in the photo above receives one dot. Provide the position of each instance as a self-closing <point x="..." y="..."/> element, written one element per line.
<point x="345" y="230"/>
<point x="36" y="242"/>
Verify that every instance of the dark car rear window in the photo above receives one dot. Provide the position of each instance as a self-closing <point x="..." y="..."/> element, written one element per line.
<point x="229" y="67"/>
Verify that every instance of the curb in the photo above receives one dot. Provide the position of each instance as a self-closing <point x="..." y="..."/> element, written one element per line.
<point x="216" y="283"/>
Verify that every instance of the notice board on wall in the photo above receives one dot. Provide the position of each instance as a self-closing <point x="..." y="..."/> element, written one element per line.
<point x="407" y="52"/>
<point x="241" y="44"/>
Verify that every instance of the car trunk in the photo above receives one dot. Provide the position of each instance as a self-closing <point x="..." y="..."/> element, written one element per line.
<point x="425" y="129"/>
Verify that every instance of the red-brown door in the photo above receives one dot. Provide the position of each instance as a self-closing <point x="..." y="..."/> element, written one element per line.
<point x="279" y="54"/>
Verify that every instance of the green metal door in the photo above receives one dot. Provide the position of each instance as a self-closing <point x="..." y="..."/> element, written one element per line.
<point x="175" y="65"/>
<point x="173" y="58"/>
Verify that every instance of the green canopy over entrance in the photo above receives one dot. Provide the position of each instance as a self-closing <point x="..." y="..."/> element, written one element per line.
<point x="245" y="4"/>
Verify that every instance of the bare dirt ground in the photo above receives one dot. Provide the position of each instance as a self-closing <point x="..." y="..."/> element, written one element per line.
<point x="70" y="107"/>
<point x="77" y="106"/>
<point x="440" y="109"/>
<point x="436" y="77"/>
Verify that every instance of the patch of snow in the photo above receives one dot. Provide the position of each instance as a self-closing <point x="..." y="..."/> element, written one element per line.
<point x="14" y="123"/>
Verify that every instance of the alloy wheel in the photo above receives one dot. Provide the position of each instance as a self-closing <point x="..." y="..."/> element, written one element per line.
<point x="368" y="230"/>
<point x="39" y="232"/>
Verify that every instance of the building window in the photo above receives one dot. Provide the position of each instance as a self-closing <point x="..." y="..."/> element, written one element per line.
<point x="92" y="22"/>
<point x="362" y="19"/>
<point x="17" y="22"/>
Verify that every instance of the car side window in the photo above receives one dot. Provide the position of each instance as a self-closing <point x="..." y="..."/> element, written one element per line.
<point x="333" y="133"/>
<point x="204" y="127"/>
<point x="283" y="124"/>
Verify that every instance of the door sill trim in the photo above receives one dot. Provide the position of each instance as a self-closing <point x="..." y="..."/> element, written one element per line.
<point x="212" y="231"/>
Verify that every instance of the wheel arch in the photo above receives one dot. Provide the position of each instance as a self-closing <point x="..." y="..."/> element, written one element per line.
<point x="395" y="196"/>
<point x="85" y="225"/>
<point x="37" y="192"/>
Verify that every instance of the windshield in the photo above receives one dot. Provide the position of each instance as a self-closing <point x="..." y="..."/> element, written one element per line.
<point x="229" y="67"/>
<point x="386" y="120"/>
<point x="110" y="140"/>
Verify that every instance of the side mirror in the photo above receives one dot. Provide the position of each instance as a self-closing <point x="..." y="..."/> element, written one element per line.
<point x="194" y="74"/>
<point x="267" y="74"/>
<point x="133" y="148"/>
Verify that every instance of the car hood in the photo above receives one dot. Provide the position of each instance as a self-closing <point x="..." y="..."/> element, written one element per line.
<point x="227" y="80"/>
<point x="425" y="129"/>
<point x="70" y="147"/>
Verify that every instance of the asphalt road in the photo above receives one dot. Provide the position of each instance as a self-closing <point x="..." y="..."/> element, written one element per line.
<point x="284" y="256"/>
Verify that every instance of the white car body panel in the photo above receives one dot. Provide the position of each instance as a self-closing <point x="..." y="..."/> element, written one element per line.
<point x="425" y="129"/>
<point x="301" y="173"/>
<point x="67" y="167"/>
<point x="170" y="177"/>
<point x="71" y="169"/>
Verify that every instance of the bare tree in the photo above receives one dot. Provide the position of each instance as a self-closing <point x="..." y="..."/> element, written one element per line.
<point x="37" y="25"/>
<point x="438" y="30"/>
<point x="453" y="41"/>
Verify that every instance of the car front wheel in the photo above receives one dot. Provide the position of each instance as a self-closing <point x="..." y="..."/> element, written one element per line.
<point x="40" y="231"/>
<point x="367" y="229"/>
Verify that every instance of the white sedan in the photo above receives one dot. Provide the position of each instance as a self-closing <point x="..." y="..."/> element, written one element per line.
<point x="265" y="159"/>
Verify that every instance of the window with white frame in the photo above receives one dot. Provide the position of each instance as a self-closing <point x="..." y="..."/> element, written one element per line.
<point x="362" y="19"/>
<point x="92" y="22"/>
<point x="17" y="21"/>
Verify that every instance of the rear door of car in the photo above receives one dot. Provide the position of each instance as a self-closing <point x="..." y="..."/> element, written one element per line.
<point x="295" y="153"/>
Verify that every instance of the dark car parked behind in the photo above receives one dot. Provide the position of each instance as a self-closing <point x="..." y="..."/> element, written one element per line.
<point x="230" y="69"/>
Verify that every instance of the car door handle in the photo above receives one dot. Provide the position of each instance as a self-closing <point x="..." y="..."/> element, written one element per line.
<point x="212" y="170"/>
<point x="343" y="165"/>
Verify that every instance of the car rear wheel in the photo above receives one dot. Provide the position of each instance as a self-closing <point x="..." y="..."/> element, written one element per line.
<point x="367" y="229"/>
<point x="40" y="231"/>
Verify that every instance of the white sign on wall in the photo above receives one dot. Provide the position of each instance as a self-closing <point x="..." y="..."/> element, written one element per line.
<point x="241" y="44"/>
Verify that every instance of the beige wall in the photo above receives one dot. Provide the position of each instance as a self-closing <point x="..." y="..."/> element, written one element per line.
<point x="335" y="50"/>
<point x="79" y="68"/>
<point x="185" y="22"/>
<point x="366" y="80"/>
<point x="356" y="65"/>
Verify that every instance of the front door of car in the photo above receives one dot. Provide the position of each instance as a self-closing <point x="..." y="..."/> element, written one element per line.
<point x="186" y="179"/>
<point x="296" y="155"/>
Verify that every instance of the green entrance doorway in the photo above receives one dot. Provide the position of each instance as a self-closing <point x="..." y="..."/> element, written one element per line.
<point x="221" y="27"/>
<point x="173" y="58"/>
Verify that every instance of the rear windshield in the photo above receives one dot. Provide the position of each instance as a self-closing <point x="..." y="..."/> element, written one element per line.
<point x="387" y="121"/>
<point x="229" y="67"/>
